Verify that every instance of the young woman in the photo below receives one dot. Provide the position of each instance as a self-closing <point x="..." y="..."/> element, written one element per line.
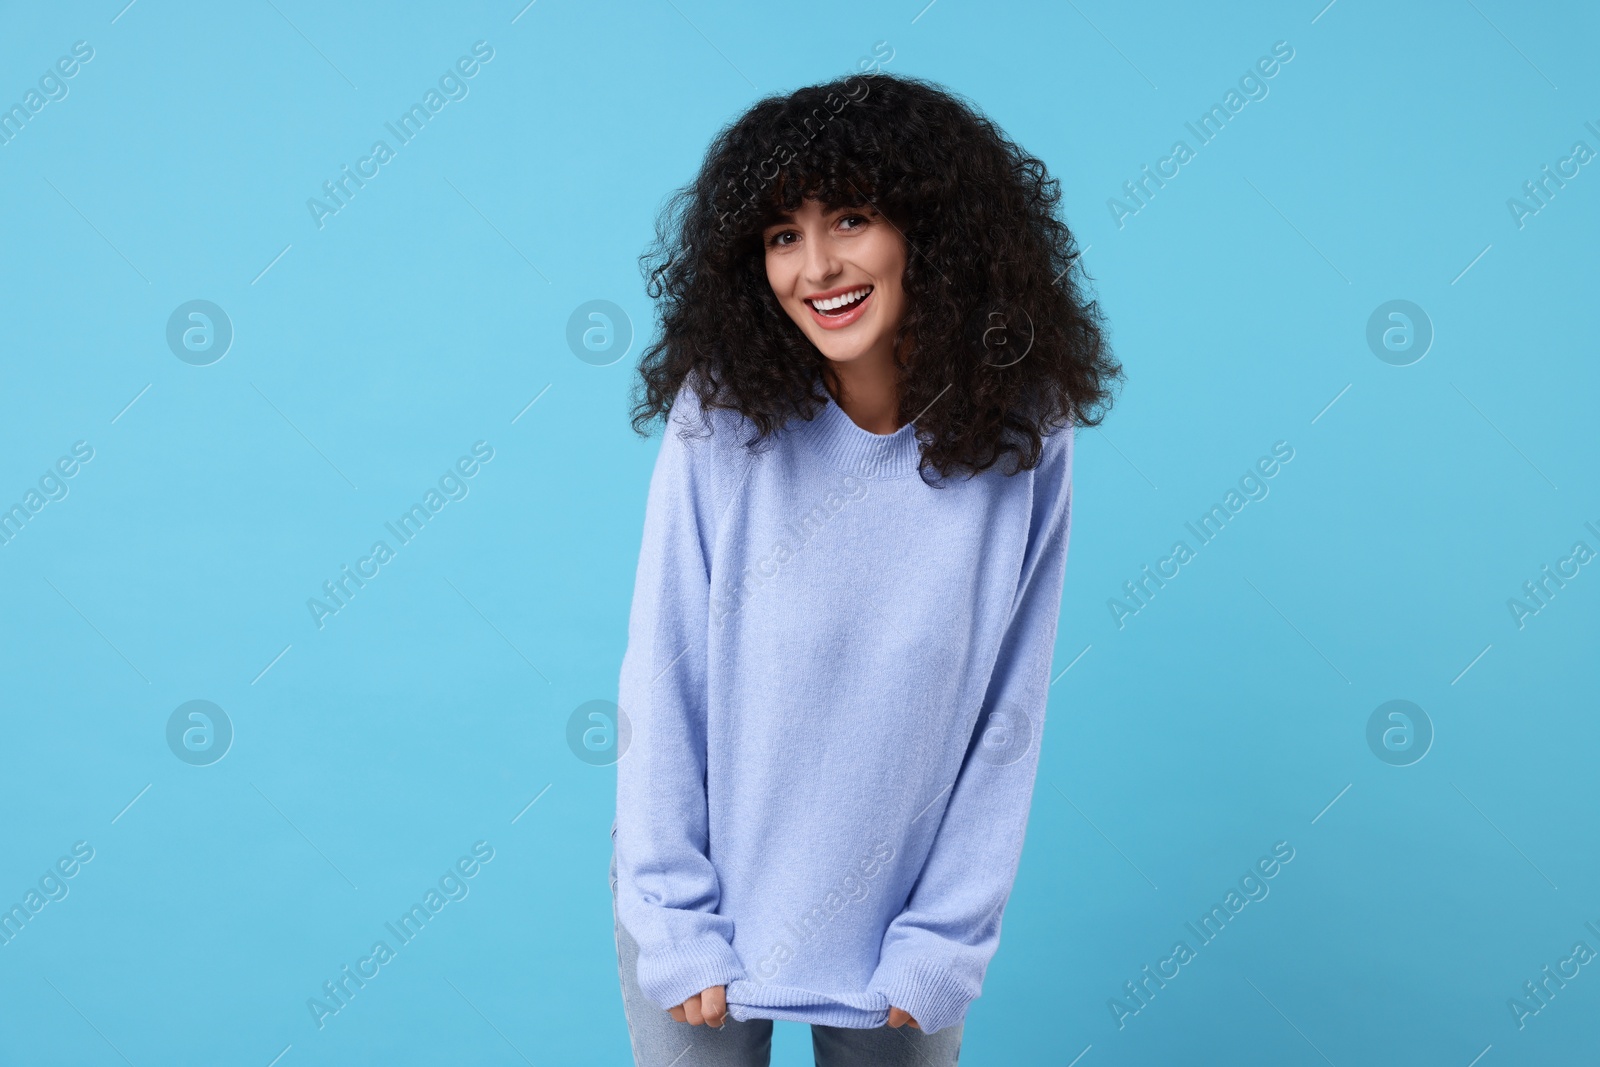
<point x="845" y="607"/>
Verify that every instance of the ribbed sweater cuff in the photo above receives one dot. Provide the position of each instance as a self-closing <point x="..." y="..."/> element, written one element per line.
<point x="671" y="975"/>
<point x="934" y="996"/>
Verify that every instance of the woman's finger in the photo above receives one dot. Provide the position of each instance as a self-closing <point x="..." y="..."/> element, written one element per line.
<point x="898" y="1017"/>
<point x="714" y="1007"/>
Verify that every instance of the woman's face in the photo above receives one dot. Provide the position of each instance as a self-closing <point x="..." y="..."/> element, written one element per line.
<point x="853" y="254"/>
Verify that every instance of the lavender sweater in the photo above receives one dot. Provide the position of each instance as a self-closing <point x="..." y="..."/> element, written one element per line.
<point x="835" y="679"/>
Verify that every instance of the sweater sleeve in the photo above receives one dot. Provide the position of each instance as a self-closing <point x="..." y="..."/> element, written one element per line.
<point x="667" y="889"/>
<point x="935" y="952"/>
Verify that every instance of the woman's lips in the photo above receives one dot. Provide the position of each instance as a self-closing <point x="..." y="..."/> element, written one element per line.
<point x="838" y="322"/>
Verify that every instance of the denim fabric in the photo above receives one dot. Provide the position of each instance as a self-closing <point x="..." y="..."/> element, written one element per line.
<point x="659" y="1040"/>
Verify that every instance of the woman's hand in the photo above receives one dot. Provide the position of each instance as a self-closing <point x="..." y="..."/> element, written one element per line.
<point x="898" y="1018"/>
<point x="709" y="1006"/>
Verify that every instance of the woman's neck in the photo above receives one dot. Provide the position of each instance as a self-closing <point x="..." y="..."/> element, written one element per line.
<point x="871" y="400"/>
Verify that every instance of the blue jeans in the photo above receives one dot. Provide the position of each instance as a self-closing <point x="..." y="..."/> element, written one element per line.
<point x="659" y="1040"/>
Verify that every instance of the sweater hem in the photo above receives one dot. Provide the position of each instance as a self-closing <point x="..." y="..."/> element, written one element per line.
<point x="750" y="999"/>
<point x="821" y="1015"/>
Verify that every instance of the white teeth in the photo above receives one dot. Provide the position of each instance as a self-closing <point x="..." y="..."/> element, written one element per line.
<point x="841" y="300"/>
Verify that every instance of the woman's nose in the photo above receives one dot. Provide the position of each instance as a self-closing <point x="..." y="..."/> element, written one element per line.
<point x="822" y="263"/>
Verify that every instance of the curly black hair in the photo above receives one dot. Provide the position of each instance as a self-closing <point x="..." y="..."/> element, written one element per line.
<point x="998" y="345"/>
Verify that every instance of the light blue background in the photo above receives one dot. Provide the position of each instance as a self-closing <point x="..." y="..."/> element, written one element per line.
<point x="1228" y="715"/>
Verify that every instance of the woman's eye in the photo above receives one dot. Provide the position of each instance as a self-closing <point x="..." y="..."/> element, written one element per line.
<point x="860" y="219"/>
<point x="778" y="238"/>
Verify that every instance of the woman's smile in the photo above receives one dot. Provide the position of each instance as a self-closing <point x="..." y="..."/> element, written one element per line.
<point x="838" y="308"/>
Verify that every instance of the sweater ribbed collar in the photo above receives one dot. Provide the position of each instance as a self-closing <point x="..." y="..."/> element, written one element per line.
<point x="846" y="446"/>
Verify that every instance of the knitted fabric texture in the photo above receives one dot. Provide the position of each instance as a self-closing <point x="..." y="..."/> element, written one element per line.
<point x="835" y="681"/>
